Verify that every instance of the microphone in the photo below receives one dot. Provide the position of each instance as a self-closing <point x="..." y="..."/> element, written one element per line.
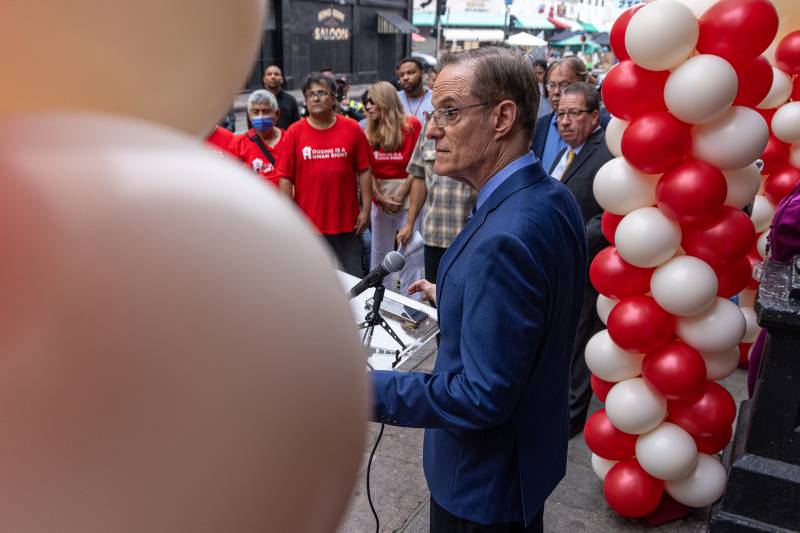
<point x="393" y="262"/>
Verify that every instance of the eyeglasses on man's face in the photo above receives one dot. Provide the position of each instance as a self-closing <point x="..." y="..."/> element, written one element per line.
<point x="560" y="86"/>
<point x="317" y="94"/>
<point x="443" y="115"/>
<point x="572" y="113"/>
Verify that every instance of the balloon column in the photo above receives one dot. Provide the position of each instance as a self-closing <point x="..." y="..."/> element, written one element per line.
<point x="687" y="135"/>
<point x="155" y="375"/>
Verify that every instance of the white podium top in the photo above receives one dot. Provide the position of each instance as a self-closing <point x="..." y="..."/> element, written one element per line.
<point x="386" y="353"/>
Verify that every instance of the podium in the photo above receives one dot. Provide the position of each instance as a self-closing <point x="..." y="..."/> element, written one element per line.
<point x="415" y="324"/>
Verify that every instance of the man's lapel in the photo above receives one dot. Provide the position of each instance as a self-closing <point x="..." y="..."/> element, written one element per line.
<point x="586" y="152"/>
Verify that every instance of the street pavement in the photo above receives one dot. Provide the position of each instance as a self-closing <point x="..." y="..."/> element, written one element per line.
<point x="401" y="496"/>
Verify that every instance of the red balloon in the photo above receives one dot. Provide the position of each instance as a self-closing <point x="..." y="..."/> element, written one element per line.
<point x="631" y="491"/>
<point x="601" y="387"/>
<point x="637" y="324"/>
<point x="608" y="223"/>
<point x="676" y="371"/>
<point x="726" y="236"/>
<point x="775" y="156"/>
<point x="795" y="89"/>
<point x="691" y="192"/>
<point x="714" y="443"/>
<point x="767" y="114"/>
<point x="723" y="25"/>
<point x="733" y="277"/>
<point x="780" y="183"/>
<point x="617" y="35"/>
<point x="755" y="81"/>
<point x="615" y="278"/>
<point x="710" y="411"/>
<point x="656" y="141"/>
<point x="787" y="55"/>
<point x="629" y="90"/>
<point x="607" y="441"/>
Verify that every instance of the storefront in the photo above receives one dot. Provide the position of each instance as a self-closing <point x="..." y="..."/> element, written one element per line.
<point x="363" y="39"/>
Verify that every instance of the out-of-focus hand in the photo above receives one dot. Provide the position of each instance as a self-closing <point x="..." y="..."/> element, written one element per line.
<point x="362" y="222"/>
<point x="404" y="235"/>
<point x="427" y="288"/>
<point x="390" y="205"/>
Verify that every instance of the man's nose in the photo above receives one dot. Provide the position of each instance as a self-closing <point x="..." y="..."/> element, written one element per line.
<point x="432" y="131"/>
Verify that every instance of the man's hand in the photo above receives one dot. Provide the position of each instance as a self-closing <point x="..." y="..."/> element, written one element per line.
<point x="362" y="222"/>
<point x="426" y="287"/>
<point x="390" y="205"/>
<point x="404" y="235"/>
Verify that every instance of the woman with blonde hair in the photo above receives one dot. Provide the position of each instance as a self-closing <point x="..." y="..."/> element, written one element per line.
<point x="392" y="135"/>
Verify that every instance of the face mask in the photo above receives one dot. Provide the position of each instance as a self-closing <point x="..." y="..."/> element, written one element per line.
<point x="262" y="123"/>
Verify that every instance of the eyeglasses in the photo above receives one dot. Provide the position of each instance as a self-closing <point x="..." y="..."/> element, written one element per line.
<point x="442" y="116"/>
<point x="572" y="113"/>
<point x="369" y="101"/>
<point x="317" y="94"/>
<point x="560" y="86"/>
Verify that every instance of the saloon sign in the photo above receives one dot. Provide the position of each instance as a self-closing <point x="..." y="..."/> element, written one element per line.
<point x="330" y="28"/>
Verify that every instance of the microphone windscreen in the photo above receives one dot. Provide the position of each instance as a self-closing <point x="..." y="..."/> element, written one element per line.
<point x="393" y="262"/>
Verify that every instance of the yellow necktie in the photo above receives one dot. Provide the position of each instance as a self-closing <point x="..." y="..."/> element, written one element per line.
<point x="570" y="157"/>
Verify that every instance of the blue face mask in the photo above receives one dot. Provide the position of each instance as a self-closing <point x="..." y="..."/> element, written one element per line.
<point x="262" y="124"/>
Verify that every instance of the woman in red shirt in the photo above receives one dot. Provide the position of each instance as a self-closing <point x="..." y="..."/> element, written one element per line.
<point x="258" y="147"/>
<point x="392" y="135"/>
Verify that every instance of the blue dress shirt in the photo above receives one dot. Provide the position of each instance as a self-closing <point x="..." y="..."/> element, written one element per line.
<point x="552" y="146"/>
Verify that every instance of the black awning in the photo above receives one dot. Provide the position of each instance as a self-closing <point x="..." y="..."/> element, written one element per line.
<point x="389" y="22"/>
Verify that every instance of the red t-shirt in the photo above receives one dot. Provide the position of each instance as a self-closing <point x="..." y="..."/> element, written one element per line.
<point x="323" y="165"/>
<point x="220" y="138"/>
<point x="392" y="165"/>
<point x="245" y="148"/>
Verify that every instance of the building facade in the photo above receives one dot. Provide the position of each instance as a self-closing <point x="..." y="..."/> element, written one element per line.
<point x="363" y="39"/>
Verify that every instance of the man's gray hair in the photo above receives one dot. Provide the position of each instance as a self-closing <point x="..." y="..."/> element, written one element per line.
<point x="262" y="97"/>
<point x="502" y="75"/>
<point x="589" y="93"/>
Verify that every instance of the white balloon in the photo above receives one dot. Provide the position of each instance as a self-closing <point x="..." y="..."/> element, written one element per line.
<point x="608" y="361"/>
<point x="703" y="486"/>
<point x="794" y="155"/>
<point x="786" y="122"/>
<point x="153" y="361"/>
<point x="734" y="140"/>
<point x="743" y="185"/>
<point x="604" y="307"/>
<point x="647" y="238"/>
<point x="753" y="329"/>
<point x="701" y="89"/>
<point x="720" y="365"/>
<point x="614" y="130"/>
<point x="601" y="466"/>
<point x="763" y="211"/>
<point x="747" y="297"/>
<point x="635" y="407"/>
<point x="684" y="285"/>
<point x="780" y="91"/>
<point x="717" y="329"/>
<point x="662" y="35"/>
<point x="698" y="7"/>
<point x="619" y="188"/>
<point x="668" y="452"/>
<point x="763" y="240"/>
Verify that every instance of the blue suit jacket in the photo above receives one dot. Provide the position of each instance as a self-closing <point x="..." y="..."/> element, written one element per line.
<point x="509" y="292"/>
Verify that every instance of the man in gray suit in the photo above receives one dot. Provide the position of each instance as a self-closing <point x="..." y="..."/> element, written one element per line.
<point x="578" y="119"/>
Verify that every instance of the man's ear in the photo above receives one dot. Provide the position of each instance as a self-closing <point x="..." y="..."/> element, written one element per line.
<point x="596" y="118"/>
<point x="504" y="118"/>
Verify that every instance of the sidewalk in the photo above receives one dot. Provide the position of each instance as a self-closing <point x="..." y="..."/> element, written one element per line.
<point x="401" y="496"/>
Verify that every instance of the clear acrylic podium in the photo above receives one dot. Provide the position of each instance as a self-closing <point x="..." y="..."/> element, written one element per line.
<point x="415" y="324"/>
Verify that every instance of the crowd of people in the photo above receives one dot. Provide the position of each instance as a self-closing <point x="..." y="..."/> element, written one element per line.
<point x="350" y="166"/>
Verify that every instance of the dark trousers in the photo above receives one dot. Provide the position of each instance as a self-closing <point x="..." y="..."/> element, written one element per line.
<point x="433" y="255"/>
<point x="580" y="388"/>
<point x="348" y="248"/>
<point x="444" y="522"/>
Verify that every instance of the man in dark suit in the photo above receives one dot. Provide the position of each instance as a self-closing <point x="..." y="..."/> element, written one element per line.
<point x="578" y="118"/>
<point x="509" y="293"/>
<point x="547" y="143"/>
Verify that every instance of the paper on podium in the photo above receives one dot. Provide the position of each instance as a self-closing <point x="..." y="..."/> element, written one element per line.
<point x="384" y="352"/>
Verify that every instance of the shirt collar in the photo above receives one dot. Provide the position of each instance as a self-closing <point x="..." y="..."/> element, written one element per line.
<point x="505" y="173"/>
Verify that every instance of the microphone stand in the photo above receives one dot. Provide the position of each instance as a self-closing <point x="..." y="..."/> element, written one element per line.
<point x="374" y="318"/>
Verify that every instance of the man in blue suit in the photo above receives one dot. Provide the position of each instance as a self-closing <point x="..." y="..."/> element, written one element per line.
<point x="509" y="292"/>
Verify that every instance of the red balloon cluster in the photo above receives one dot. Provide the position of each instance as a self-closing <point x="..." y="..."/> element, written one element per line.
<point x="705" y="201"/>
